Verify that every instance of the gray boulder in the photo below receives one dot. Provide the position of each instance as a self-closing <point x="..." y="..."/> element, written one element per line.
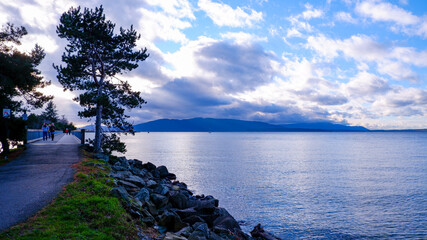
<point x="171" y="221"/>
<point x="121" y="193"/>
<point x="159" y="200"/>
<point x="201" y="232"/>
<point x="143" y="195"/>
<point x="225" y="220"/>
<point x="136" y="180"/>
<point x="173" y="236"/>
<point x="163" y="171"/>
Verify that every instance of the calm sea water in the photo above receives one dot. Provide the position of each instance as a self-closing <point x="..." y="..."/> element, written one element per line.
<point x="303" y="185"/>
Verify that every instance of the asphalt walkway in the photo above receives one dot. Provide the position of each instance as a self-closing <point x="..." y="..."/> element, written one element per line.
<point x="31" y="181"/>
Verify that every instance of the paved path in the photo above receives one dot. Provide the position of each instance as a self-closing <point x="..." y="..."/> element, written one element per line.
<point x="31" y="181"/>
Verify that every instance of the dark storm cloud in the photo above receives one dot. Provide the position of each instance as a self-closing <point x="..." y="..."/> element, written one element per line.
<point x="237" y="67"/>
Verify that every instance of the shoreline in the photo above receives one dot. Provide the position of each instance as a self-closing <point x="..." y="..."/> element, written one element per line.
<point x="153" y="195"/>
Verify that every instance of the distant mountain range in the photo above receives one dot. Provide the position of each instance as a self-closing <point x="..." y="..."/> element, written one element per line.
<point x="232" y="125"/>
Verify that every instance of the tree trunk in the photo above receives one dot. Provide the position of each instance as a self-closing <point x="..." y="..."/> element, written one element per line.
<point x="4" y="135"/>
<point x="98" y="129"/>
<point x="4" y="144"/>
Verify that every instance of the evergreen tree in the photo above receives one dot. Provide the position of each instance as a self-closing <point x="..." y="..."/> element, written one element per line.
<point x="19" y="79"/>
<point x="93" y="57"/>
<point x="50" y="113"/>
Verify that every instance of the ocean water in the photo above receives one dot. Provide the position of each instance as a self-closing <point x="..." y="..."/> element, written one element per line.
<point x="303" y="185"/>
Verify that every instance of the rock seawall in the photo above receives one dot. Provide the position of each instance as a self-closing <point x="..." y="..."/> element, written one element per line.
<point x="154" y="196"/>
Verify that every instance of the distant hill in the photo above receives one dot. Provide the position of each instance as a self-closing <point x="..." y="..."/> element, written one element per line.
<point x="232" y="125"/>
<point x="326" y="126"/>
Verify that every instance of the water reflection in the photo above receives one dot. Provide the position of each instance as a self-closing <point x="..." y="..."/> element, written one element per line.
<point x="304" y="185"/>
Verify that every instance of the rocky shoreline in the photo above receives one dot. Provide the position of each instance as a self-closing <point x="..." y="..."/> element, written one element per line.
<point x="154" y="196"/>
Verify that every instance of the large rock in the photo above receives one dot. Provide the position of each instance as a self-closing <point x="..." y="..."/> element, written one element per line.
<point x="259" y="233"/>
<point x="185" y="213"/>
<point x="185" y="232"/>
<point x="143" y="195"/>
<point x="173" y="236"/>
<point x="178" y="200"/>
<point x="149" y="166"/>
<point x="121" y="193"/>
<point x="201" y="232"/>
<point x="152" y="184"/>
<point x="193" y="219"/>
<point x="225" y="220"/>
<point x="163" y="171"/>
<point x="159" y="200"/>
<point x="136" y="180"/>
<point x="161" y="189"/>
<point x="171" y="221"/>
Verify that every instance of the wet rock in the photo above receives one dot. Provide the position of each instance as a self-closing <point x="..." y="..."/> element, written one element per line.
<point x="152" y="184"/>
<point x="185" y="232"/>
<point x="152" y="208"/>
<point x="201" y="232"/>
<point x="173" y="236"/>
<point x="179" y="200"/>
<point x="149" y="166"/>
<point x="225" y="220"/>
<point x="126" y="184"/>
<point x="147" y="218"/>
<point x="136" y="204"/>
<point x="161" y="189"/>
<point x="121" y="193"/>
<point x="185" y="213"/>
<point x="163" y="171"/>
<point x="171" y="176"/>
<point x="137" y="164"/>
<point x="171" y="221"/>
<point x="193" y="219"/>
<point x="143" y="195"/>
<point x="136" y="180"/>
<point x="118" y="167"/>
<point x="259" y="233"/>
<point x="159" y="200"/>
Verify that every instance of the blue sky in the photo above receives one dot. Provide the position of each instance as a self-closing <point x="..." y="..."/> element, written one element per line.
<point x="358" y="62"/>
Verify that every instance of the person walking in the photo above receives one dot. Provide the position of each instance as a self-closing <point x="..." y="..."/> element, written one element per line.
<point x="52" y="131"/>
<point x="45" y="129"/>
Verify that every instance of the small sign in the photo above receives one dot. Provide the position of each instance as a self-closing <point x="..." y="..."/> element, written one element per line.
<point x="24" y="117"/>
<point x="6" y="113"/>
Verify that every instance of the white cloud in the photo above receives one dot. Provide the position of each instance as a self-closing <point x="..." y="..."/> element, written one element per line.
<point x="402" y="102"/>
<point x="410" y="55"/>
<point x="242" y="38"/>
<point x="311" y="13"/>
<point x="359" y="47"/>
<point x="176" y="8"/>
<point x="158" y="25"/>
<point x="383" y="11"/>
<point x="224" y="15"/>
<point x="366" y="85"/>
<point x="397" y="71"/>
<point x="345" y="17"/>
<point x="293" y="32"/>
<point x="47" y="42"/>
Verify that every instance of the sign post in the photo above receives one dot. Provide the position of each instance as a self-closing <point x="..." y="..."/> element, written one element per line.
<point x="6" y="113"/>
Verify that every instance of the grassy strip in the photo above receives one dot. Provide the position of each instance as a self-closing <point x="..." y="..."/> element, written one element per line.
<point x="84" y="210"/>
<point x="12" y="155"/>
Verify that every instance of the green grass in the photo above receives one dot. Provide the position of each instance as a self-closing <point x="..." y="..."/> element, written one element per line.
<point x="84" y="210"/>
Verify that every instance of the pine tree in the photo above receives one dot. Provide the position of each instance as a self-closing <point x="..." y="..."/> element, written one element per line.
<point x="19" y="79"/>
<point x="50" y="113"/>
<point x="93" y="57"/>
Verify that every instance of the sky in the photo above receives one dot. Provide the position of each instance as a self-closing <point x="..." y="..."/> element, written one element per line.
<point x="360" y="62"/>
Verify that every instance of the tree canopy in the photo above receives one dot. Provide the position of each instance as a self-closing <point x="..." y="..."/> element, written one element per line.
<point x="19" y="79"/>
<point x="95" y="54"/>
